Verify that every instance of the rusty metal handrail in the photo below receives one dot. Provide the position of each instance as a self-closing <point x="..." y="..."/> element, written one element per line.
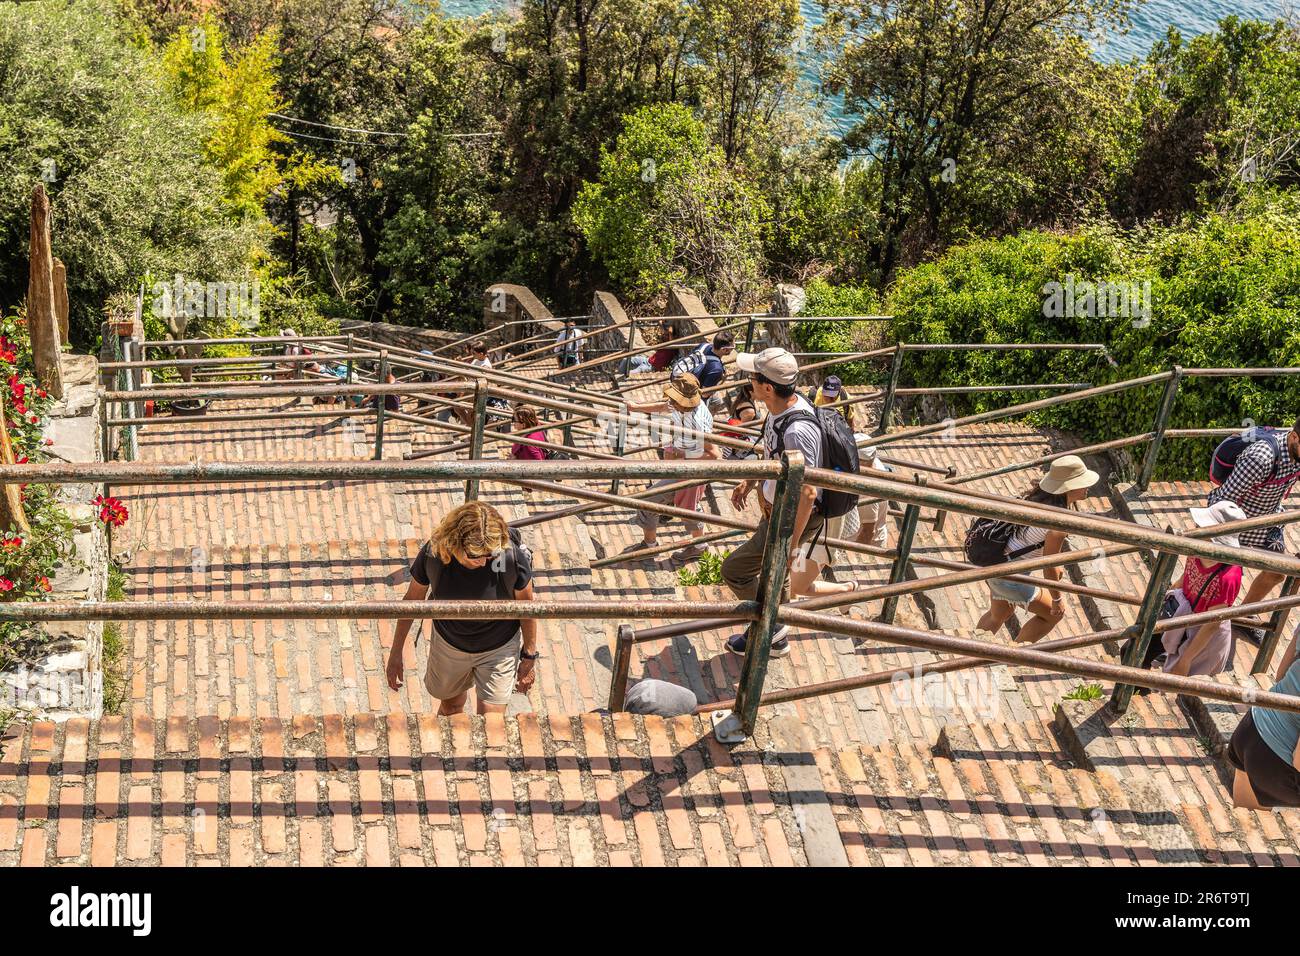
<point x="877" y="678"/>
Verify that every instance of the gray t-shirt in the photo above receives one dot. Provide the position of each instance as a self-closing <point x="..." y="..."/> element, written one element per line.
<point x="803" y="436"/>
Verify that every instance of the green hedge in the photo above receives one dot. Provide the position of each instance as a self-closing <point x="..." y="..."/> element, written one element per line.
<point x="1223" y="292"/>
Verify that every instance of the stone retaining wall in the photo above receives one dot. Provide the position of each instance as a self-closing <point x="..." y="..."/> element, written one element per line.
<point x="63" y="677"/>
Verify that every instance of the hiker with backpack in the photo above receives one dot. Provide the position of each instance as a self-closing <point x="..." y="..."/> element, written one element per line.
<point x="991" y="542"/>
<point x="824" y="439"/>
<point x="706" y="364"/>
<point x="473" y="555"/>
<point x="687" y="414"/>
<point x="1257" y="469"/>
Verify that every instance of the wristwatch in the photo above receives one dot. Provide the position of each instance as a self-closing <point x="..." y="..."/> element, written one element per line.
<point x="525" y="656"/>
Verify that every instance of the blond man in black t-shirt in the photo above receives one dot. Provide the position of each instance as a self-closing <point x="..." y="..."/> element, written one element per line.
<point x="472" y="556"/>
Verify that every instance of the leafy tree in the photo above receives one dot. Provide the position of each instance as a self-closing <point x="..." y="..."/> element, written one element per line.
<point x="745" y="50"/>
<point x="666" y="209"/>
<point x="1220" y="119"/>
<point x="969" y="110"/>
<point x="130" y="186"/>
<point x="236" y="92"/>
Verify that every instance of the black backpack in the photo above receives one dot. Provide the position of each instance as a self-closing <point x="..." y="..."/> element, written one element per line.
<point x="1230" y="449"/>
<point x="839" y="453"/>
<point x="986" y="542"/>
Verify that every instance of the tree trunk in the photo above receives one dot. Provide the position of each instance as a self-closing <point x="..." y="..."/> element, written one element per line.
<point x="41" y="321"/>
<point x="61" y="298"/>
<point x="12" y="517"/>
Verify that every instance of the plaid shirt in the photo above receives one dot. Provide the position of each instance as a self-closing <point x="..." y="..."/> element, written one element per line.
<point x="1250" y="486"/>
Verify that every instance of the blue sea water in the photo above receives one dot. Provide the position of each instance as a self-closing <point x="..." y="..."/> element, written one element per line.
<point x="1149" y="22"/>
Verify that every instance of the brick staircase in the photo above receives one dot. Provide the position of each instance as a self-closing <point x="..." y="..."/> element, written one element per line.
<point x="278" y="742"/>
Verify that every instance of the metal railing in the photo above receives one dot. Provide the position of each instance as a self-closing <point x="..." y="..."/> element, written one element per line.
<point x="767" y="612"/>
<point x="764" y="614"/>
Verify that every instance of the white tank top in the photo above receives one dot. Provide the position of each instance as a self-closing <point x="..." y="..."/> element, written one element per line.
<point x="1024" y="538"/>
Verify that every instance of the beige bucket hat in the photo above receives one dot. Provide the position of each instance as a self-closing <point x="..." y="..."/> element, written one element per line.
<point x="1067" y="474"/>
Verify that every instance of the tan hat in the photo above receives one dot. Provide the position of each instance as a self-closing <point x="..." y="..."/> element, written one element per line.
<point x="1067" y="474"/>
<point x="775" y="365"/>
<point x="684" y="390"/>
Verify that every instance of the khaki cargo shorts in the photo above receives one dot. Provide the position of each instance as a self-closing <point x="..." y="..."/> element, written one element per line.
<point x="450" y="671"/>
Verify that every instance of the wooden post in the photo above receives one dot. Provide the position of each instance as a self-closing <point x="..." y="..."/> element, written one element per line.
<point x="1273" y="633"/>
<point x="476" y="435"/>
<point x="887" y="406"/>
<point x="380" y="408"/>
<point x="42" y="322"/>
<point x="12" y="516"/>
<point x="61" y="299"/>
<point x="902" y="554"/>
<point x="622" y="664"/>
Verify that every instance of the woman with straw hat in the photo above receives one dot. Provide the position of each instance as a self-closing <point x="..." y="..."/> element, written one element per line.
<point x="1066" y="483"/>
<point x="688" y="415"/>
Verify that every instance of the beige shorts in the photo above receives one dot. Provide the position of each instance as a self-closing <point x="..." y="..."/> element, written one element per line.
<point x="451" y="671"/>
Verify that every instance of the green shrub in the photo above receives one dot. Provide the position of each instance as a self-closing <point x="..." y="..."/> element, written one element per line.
<point x="827" y="299"/>
<point x="1225" y="292"/>
<point x="707" y="571"/>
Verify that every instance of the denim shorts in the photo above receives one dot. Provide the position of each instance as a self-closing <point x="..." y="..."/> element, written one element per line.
<point x="1013" y="592"/>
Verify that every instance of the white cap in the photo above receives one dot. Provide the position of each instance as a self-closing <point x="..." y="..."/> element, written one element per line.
<point x="774" y="364"/>
<point x="1220" y="512"/>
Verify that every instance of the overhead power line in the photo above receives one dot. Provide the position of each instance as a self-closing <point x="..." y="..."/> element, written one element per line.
<point x="364" y="132"/>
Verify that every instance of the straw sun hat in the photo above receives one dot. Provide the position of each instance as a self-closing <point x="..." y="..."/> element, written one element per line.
<point x="1067" y="474"/>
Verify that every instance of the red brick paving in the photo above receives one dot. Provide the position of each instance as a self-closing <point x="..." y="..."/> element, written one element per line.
<point x="273" y="735"/>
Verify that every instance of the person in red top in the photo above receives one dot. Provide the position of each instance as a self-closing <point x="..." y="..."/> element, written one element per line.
<point x="664" y="357"/>
<point x="526" y="422"/>
<point x="1206" y="650"/>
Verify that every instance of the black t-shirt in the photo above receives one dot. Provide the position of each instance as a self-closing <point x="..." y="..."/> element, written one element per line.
<point x="459" y="583"/>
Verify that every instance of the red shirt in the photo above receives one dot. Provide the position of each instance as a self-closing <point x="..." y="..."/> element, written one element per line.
<point x="1222" y="590"/>
<point x="529" y="452"/>
<point x="661" y="359"/>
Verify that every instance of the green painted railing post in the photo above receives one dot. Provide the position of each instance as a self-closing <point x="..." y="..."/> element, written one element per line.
<point x="620" y="444"/>
<point x="476" y="436"/>
<point x="105" y="441"/>
<point x="1162" y="420"/>
<point x="771" y="579"/>
<point x="622" y="664"/>
<point x="902" y="555"/>
<point x="1148" y="614"/>
<point x="349" y="350"/>
<point x="1273" y="634"/>
<point x="749" y="333"/>
<point x="631" y="344"/>
<point x="379" y="406"/>
<point x="887" y="406"/>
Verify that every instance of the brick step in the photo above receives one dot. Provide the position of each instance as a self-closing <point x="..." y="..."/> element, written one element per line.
<point x="1172" y="774"/>
<point x="380" y="789"/>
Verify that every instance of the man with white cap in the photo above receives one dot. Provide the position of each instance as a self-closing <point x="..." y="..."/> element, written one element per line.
<point x="773" y="373"/>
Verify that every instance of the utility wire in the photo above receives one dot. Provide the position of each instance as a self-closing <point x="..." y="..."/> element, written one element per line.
<point x="366" y="132"/>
